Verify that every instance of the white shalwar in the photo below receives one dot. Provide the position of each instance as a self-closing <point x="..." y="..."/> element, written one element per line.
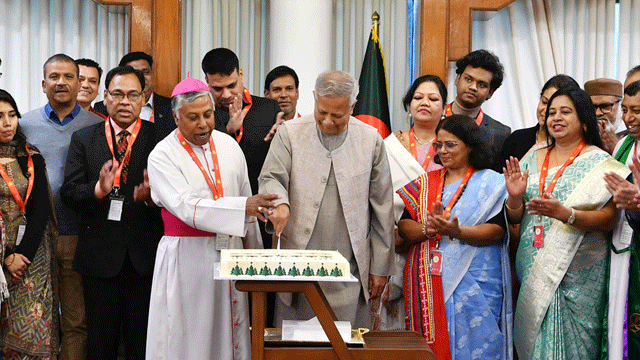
<point x="193" y="316"/>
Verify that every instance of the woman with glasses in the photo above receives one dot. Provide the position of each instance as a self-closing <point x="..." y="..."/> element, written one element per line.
<point x="28" y="324"/>
<point x="457" y="282"/>
<point x="558" y="195"/>
<point x="410" y="154"/>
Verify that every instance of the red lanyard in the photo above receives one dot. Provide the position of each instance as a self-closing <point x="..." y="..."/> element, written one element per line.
<point x="216" y="188"/>
<point x="12" y="186"/>
<point x="127" y="154"/>
<point x="414" y="150"/>
<point x="246" y="97"/>
<point x="453" y="200"/>
<point x="479" y="118"/>
<point x="545" y="169"/>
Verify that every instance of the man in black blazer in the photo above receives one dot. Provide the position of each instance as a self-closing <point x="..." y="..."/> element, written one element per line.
<point x="156" y="108"/>
<point x="119" y="226"/>
<point x="479" y="75"/>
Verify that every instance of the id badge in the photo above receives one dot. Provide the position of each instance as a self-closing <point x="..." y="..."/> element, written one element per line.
<point x="436" y="262"/>
<point x="21" y="229"/>
<point x="222" y="241"/>
<point x="115" y="207"/>
<point x="538" y="232"/>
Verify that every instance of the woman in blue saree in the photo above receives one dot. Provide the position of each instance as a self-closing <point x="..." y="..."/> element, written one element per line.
<point x="559" y="194"/>
<point x="457" y="288"/>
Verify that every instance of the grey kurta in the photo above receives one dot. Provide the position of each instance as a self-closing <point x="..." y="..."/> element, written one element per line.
<point x="328" y="212"/>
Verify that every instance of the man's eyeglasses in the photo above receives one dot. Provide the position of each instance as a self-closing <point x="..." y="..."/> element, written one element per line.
<point x="605" y="108"/>
<point x="118" y="96"/>
<point x="448" y="145"/>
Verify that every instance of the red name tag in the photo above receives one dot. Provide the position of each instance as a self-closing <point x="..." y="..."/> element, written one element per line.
<point x="436" y="262"/>
<point x="538" y="236"/>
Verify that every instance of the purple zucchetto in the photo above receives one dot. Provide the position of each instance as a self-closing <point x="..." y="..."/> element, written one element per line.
<point x="189" y="85"/>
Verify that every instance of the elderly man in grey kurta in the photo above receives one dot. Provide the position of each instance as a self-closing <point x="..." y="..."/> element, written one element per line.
<point x="332" y="174"/>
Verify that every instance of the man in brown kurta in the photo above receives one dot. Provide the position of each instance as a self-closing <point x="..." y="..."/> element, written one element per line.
<point x="333" y="177"/>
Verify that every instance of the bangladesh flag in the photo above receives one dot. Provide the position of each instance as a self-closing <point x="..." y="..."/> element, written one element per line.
<point x="373" y="104"/>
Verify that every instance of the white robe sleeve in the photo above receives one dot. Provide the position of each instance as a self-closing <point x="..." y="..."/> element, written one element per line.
<point x="172" y="190"/>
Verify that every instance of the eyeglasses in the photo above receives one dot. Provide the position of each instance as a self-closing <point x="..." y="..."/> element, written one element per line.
<point x="448" y="145"/>
<point x="605" y="108"/>
<point x="118" y="96"/>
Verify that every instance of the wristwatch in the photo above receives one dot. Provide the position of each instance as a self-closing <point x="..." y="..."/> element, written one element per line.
<point x="572" y="217"/>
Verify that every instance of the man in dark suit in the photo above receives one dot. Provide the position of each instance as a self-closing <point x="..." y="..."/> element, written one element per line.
<point x="156" y="108"/>
<point x="250" y="119"/>
<point x="480" y="74"/>
<point x="106" y="182"/>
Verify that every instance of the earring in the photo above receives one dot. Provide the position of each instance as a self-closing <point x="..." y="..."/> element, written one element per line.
<point x="443" y="117"/>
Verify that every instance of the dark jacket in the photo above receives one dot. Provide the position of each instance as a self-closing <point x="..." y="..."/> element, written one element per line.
<point x="103" y="244"/>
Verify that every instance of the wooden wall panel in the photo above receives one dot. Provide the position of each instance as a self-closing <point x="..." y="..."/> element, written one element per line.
<point x="156" y="28"/>
<point x="446" y="27"/>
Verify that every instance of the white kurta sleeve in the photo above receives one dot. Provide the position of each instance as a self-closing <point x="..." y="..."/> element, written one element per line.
<point x="171" y="189"/>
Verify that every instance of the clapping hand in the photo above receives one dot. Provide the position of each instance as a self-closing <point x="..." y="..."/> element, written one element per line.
<point x="515" y="180"/>
<point x="236" y="115"/>
<point x="438" y="222"/>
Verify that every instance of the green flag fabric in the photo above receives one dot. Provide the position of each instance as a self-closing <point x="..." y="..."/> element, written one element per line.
<point x="373" y="104"/>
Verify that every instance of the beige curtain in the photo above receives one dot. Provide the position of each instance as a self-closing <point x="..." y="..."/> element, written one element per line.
<point x="31" y="31"/>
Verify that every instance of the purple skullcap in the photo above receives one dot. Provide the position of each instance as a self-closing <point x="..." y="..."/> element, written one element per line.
<point x="189" y="85"/>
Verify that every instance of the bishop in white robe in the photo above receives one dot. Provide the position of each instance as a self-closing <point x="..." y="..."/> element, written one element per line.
<point x="193" y="316"/>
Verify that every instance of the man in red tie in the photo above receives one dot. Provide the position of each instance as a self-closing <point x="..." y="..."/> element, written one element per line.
<point x="106" y="183"/>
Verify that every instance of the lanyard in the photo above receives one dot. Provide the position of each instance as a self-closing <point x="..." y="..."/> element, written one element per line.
<point x="216" y="188"/>
<point x="449" y="112"/>
<point x="12" y="186"/>
<point x="246" y="97"/>
<point x="134" y="135"/>
<point x="453" y="200"/>
<point x="151" y="117"/>
<point x="545" y="169"/>
<point x="414" y="150"/>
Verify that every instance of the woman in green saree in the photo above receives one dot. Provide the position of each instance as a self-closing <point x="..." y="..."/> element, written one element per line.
<point x="558" y="194"/>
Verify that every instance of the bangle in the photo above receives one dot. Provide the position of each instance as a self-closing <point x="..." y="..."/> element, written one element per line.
<point x="572" y="217"/>
<point x="424" y="230"/>
<point x="506" y="203"/>
<point x="12" y="260"/>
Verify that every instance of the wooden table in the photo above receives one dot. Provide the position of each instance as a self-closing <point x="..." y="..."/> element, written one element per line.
<point x="377" y="344"/>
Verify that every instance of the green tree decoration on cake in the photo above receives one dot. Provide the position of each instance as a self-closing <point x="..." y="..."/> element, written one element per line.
<point x="265" y="270"/>
<point x="280" y="271"/>
<point x="336" y="272"/>
<point x="307" y="271"/>
<point x="237" y="270"/>
<point x="322" y="271"/>
<point x="251" y="270"/>
<point x="294" y="271"/>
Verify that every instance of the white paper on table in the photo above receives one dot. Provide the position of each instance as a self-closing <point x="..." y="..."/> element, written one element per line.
<point x="311" y="330"/>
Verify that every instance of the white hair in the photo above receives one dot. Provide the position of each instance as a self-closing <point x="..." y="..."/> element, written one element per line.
<point x="337" y="84"/>
<point x="176" y="101"/>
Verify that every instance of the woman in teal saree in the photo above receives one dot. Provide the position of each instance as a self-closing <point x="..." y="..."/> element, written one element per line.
<point x="558" y="194"/>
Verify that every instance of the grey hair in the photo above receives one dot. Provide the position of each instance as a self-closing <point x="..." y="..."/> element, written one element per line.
<point x="176" y="101"/>
<point x="337" y="84"/>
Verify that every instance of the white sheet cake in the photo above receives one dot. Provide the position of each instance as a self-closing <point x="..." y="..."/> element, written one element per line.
<point x="270" y="263"/>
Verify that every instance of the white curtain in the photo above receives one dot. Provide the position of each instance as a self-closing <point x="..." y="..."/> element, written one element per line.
<point x="240" y="25"/>
<point x="31" y="31"/>
<point x="235" y="24"/>
<point x="536" y="39"/>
